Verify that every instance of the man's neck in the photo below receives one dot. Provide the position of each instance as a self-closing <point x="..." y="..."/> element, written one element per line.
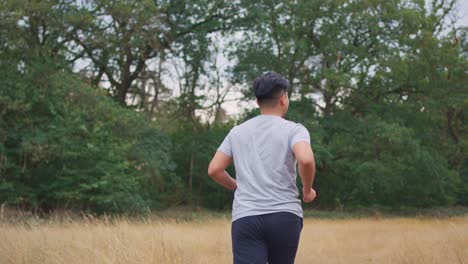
<point x="274" y="112"/>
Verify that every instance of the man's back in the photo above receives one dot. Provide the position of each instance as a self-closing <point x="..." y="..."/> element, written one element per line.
<point x="265" y="165"/>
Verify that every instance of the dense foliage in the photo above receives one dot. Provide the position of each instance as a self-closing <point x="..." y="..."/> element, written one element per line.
<point x="118" y="106"/>
<point x="66" y="145"/>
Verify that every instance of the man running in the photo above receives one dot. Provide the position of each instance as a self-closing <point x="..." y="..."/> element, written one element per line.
<point x="267" y="216"/>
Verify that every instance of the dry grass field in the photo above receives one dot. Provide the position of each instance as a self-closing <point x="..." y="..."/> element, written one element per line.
<point x="207" y="240"/>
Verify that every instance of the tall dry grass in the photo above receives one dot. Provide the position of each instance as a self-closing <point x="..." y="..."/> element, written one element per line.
<point x="155" y="240"/>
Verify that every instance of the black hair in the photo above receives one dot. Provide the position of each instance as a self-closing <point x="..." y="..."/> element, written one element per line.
<point x="269" y="87"/>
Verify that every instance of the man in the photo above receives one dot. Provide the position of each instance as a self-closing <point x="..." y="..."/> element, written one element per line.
<point x="267" y="216"/>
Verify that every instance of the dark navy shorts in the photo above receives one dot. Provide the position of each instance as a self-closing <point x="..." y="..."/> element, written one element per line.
<point x="270" y="237"/>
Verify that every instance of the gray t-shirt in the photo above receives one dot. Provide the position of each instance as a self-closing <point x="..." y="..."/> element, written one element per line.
<point x="265" y="165"/>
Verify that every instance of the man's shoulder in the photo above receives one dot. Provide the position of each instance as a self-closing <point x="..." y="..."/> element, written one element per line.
<point x="255" y="120"/>
<point x="253" y="123"/>
<point x="294" y="125"/>
<point x="299" y="126"/>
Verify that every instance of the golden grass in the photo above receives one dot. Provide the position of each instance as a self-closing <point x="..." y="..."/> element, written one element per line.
<point x="156" y="240"/>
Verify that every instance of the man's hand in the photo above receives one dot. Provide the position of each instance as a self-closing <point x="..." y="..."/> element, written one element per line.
<point x="309" y="194"/>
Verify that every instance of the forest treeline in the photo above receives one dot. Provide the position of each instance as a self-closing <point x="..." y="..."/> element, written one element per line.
<point x="118" y="106"/>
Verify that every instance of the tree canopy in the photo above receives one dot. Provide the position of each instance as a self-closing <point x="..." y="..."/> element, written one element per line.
<point x="118" y="106"/>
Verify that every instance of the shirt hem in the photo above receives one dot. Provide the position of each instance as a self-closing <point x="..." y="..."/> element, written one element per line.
<point x="262" y="212"/>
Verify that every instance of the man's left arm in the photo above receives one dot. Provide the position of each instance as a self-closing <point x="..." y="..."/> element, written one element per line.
<point x="217" y="170"/>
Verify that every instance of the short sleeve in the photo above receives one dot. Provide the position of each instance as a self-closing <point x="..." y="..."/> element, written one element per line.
<point x="226" y="146"/>
<point x="299" y="133"/>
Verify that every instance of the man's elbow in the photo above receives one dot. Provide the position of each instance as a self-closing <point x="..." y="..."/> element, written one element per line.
<point x="307" y="162"/>
<point x="212" y="171"/>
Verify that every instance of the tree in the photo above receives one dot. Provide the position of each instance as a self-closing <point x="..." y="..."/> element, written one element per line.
<point x="371" y="68"/>
<point x="66" y="145"/>
<point x="119" y="37"/>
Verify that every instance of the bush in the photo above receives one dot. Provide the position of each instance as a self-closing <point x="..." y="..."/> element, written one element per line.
<point x="64" y="144"/>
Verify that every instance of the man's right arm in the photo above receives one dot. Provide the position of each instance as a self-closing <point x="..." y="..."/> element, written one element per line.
<point x="306" y="163"/>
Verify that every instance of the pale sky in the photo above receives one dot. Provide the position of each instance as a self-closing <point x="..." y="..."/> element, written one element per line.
<point x="462" y="9"/>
